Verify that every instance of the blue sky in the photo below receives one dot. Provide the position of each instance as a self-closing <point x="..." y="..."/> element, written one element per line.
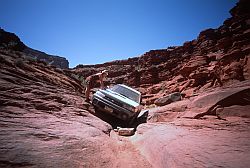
<point x="98" y="31"/>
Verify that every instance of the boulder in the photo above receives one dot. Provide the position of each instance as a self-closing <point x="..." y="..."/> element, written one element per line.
<point x="168" y="99"/>
<point x="126" y="131"/>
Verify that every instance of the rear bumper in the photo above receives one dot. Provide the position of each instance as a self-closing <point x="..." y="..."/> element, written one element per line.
<point x="117" y="111"/>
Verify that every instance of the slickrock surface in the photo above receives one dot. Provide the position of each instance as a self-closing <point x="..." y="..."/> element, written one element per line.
<point x="219" y="137"/>
<point x="45" y="121"/>
<point x="199" y="143"/>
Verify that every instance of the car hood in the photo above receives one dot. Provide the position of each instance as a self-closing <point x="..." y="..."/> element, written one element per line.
<point x="119" y="97"/>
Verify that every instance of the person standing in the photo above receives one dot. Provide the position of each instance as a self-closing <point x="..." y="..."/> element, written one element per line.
<point x="92" y="80"/>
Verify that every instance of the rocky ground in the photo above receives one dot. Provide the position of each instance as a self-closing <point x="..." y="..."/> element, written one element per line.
<point x="45" y="121"/>
<point x="200" y="143"/>
<point x="217" y="138"/>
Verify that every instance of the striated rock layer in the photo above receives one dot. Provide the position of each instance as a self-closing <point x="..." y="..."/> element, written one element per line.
<point x="218" y="57"/>
<point x="45" y="121"/>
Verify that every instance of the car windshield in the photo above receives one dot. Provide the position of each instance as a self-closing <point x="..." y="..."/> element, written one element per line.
<point x="126" y="92"/>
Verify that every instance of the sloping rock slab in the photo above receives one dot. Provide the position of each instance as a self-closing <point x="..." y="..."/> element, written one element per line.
<point x="208" y="102"/>
<point x="195" y="143"/>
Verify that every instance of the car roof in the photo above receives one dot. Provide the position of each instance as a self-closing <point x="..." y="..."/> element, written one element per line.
<point x="129" y="88"/>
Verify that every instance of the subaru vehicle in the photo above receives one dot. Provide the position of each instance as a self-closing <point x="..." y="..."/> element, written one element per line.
<point x="120" y="101"/>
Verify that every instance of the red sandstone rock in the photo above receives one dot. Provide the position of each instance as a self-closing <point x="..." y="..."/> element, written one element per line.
<point x="199" y="141"/>
<point x="45" y="121"/>
<point x="227" y="44"/>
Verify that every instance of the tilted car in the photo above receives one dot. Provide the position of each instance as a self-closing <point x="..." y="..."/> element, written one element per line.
<point x="120" y="101"/>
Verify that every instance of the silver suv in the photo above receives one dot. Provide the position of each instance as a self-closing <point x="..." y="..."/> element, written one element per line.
<point x="120" y="101"/>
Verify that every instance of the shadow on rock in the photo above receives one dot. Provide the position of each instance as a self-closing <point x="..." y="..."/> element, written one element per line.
<point x="116" y="122"/>
<point x="141" y="118"/>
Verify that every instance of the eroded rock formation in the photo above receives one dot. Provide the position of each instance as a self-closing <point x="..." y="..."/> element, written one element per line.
<point x="45" y="121"/>
<point x="217" y="57"/>
<point x="10" y="41"/>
